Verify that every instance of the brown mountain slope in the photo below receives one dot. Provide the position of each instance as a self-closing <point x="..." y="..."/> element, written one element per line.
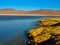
<point x="12" y="11"/>
<point x="45" y="12"/>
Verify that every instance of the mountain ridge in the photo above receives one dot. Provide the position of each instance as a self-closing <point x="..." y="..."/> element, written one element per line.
<point x="42" y="11"/>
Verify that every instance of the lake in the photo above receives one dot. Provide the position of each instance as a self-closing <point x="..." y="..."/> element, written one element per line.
<point x="13" y="27"/>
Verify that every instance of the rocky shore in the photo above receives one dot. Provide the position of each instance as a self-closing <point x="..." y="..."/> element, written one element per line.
<point x="48" y="32"/>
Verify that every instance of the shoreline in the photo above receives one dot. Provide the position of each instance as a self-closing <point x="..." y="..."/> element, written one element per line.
<point x="28" y="15"/>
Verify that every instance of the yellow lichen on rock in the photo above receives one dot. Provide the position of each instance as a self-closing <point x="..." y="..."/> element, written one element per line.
<point x="49" y="22"/>
<point x="49" y="28"/>
<point x="35" y="32"/>
<point x="56" y="30"/>
<point x="41" y="38"/>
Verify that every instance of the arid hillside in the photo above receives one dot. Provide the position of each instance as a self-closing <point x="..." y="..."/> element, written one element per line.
<point x="54" y="12"/>
<point x="42" y="11"/>
<point x="11" y="11"/>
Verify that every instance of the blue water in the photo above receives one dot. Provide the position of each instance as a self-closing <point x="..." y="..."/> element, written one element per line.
<point x="14" y="26"/>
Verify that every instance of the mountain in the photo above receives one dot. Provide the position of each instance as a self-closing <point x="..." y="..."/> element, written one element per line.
<point x="53" y="12"/>
<point x="11" y="11"/>
<point x="42" y="11"/>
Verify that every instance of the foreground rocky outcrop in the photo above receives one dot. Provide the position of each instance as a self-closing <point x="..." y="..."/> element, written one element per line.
<point x="48" y="33"/>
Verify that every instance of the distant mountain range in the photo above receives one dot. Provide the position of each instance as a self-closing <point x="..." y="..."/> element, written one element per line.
<point x="42" y="11"/>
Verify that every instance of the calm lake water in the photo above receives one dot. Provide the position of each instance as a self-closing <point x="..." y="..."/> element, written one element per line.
<point x="12" y="27"/>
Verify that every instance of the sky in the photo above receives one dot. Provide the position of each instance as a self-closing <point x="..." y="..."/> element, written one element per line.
<point x="30" y="4"/>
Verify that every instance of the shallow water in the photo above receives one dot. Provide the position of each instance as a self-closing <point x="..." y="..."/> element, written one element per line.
<point x="15" y="26"/>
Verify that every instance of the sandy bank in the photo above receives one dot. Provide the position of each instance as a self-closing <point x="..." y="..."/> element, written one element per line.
<point x="28" y="15"/>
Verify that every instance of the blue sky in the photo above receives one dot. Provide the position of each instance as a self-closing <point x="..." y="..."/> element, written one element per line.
<point x="30" y="4"/>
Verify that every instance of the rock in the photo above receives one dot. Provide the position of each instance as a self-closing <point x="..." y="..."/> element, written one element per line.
<point x="49" y="28"/>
